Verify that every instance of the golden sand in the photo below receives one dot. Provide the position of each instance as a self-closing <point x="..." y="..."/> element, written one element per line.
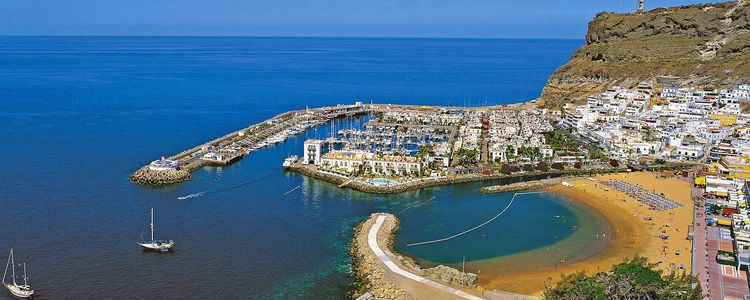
<point x="637" y="230"/>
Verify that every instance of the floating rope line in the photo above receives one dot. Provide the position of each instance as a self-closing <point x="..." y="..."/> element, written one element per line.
<point x="478" y="226"/>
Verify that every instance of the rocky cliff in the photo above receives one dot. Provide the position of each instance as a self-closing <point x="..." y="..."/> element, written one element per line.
<point x="696" y="44"/>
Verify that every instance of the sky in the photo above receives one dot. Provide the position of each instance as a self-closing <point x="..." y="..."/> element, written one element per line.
<point x="565" y="19"/>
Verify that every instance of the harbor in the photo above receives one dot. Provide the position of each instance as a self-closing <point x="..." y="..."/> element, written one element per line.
<point x="232" y="147"/>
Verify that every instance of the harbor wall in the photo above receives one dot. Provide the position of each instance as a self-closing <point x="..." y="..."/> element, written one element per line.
<point x="501" y="179"/>
<point x="373" y="278"/>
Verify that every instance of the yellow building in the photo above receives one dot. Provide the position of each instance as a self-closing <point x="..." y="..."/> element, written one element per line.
<point x="724" y="119"/>
<point x="735" y="167"/>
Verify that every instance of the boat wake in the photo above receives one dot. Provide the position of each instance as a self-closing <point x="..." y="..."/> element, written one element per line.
<point x="292" y="190"/>
<point x="191" y="196"/>
<point x="224" y="189"/>
<point x="418" y="204"/>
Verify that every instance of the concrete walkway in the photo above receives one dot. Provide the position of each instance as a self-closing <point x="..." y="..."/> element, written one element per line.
<point x="372" y="241"/>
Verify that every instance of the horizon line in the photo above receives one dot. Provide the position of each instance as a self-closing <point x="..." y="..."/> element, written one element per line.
<point x="291" y="36"/>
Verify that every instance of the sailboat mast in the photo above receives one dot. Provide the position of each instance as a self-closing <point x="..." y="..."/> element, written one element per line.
<point x="7" y="264"/>
<point x="152" y="224"/>
<point x="24" y="274"/>
<point x="13" y="267"/>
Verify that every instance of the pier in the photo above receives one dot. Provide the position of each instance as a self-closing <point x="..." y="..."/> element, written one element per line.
<point x="232" y="147"/>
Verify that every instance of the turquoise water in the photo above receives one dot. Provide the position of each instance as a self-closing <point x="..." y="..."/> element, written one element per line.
<point x="532" y="221"/>
<point x="79" y="114"/>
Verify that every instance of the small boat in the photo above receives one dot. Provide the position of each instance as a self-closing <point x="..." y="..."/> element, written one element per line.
<point x="21" y="291"/>
<point x="290" y="161"/>
<point x="162" y="246"/>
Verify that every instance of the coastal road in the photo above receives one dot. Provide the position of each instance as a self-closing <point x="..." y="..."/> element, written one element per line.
<point x="436" y="290"/>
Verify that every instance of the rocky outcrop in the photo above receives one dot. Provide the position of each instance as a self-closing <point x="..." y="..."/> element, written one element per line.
<point x="695" y="44"/>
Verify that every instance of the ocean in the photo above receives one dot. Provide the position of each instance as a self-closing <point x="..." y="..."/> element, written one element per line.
<point x="79" y="114"/>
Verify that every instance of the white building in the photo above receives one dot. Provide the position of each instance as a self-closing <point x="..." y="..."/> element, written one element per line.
<point x="313" y="152"/>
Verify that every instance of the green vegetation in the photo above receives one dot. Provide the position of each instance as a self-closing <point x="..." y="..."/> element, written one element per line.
<point x="596" y="152"/>
<point x="424" y="150"/>
<point x="561" y="140"/>
<point x="632" y="279"/>
<point x="466" y="156"/>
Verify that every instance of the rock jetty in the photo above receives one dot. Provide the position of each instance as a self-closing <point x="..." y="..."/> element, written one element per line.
<point x="146" y="176"/>
<point x="373" y="281"/>
<point x="522" y="186"/>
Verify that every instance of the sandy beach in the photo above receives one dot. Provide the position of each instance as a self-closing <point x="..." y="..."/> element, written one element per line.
<point x="635" y="230"/>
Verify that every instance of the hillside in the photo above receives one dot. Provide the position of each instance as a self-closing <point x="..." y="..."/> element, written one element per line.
<point x="697" y="44"/>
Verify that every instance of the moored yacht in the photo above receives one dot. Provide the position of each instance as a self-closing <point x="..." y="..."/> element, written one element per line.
<point x="156" y="245"/>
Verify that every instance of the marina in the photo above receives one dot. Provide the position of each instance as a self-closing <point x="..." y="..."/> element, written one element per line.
<point x="231" y="147"/>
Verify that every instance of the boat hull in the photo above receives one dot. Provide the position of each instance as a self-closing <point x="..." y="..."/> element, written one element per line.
<point x="158" y="247"/>
<point x="20" y="293"/>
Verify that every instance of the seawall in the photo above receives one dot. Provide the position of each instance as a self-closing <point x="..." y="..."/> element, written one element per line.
<point x="375" y="279"/>
<point x="501" y="179"/>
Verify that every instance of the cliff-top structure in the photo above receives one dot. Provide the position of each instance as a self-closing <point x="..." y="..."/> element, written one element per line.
<point x="695" y="44"/>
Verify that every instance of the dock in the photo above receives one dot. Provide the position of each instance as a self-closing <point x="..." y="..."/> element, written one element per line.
<point x="233" y="146"/>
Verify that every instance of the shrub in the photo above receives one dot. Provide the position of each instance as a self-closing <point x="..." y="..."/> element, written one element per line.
<point x="527" y="168"/>
<point x="505" y="169"/>
<point x="542" y="166"/>
<point x="558" y="166"/>
<point x="614" y="163"/>
<point x="632" y="279"/>
<point x="577" y="165"/>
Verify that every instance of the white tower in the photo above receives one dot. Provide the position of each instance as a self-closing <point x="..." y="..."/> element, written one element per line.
<point x="313" y="151"/>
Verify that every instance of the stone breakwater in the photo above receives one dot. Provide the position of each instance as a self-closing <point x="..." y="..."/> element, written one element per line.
<point x="523" y="186"/>
<point x="146" y="176"/>
<point x="372" y="275"/>
<point x="501" y="179"/>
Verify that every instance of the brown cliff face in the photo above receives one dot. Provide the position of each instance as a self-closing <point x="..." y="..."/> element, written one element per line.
<point x="700" y="44"/>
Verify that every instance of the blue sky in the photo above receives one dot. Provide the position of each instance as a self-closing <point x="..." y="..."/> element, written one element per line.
<point x="365" y="18"/>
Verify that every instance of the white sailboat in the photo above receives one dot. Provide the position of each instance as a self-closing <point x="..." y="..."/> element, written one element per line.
<point x="156" y="245"/>
<point x="21" y="291"/>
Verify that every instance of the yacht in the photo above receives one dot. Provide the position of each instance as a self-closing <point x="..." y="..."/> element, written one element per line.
<point x="162" y="246"/>
<point x="21" y="291"/>
<point x="290" y="161"/>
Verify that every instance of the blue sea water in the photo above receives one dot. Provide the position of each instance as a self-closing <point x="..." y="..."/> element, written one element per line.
<point x="79" y="114"/>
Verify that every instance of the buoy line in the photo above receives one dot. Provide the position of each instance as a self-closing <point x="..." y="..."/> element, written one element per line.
<point x="478" y="226"/>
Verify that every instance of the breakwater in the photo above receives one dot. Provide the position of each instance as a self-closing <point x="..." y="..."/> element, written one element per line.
<point x="415" y="184"/>
<point x="233" y="146"/>
<point x="375" y="279"/>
